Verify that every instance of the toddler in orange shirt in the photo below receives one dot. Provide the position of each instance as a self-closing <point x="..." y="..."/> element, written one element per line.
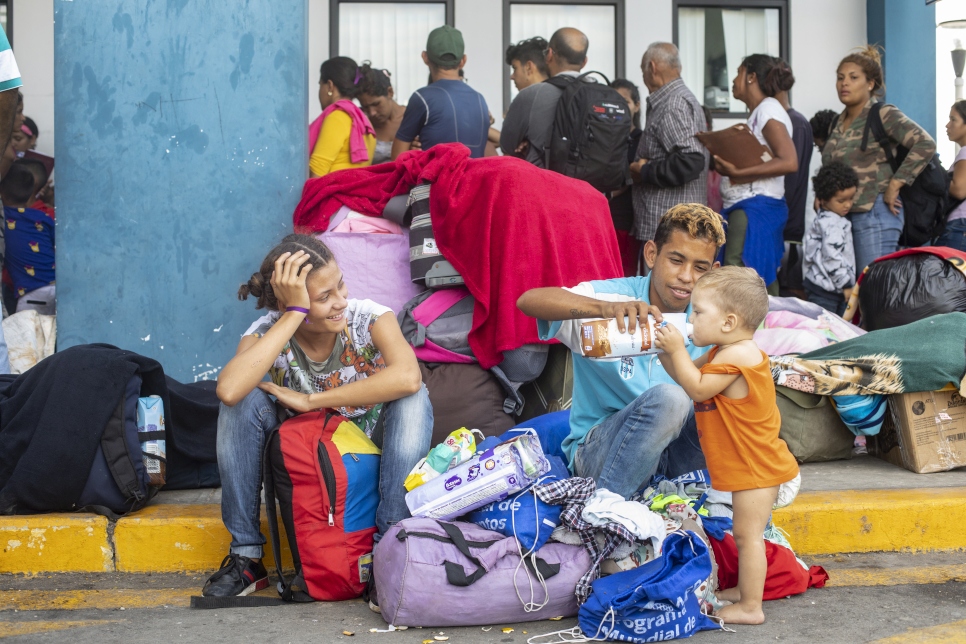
<point x="737" y="417"/>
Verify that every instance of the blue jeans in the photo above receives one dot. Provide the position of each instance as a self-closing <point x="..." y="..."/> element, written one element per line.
<point x="833" y="301"/>
<point x="655" y="434"/>
<point x="955" y="235"/>
<point x="875" y="233"/>
<point x="241" y="438"/>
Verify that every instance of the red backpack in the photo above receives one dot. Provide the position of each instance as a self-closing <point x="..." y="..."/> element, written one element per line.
<point x="325" y="473"/>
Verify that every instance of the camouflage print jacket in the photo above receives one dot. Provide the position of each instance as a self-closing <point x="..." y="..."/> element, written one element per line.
<point x="872" y="167"/>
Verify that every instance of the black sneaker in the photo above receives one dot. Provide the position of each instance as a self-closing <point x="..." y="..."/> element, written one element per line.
<point x="237" y="577"/>
<point x="369" y="595"/>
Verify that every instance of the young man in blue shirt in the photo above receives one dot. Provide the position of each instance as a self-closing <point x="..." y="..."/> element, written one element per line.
<point x="629" y="420"/>
<point x="448" y="110"/>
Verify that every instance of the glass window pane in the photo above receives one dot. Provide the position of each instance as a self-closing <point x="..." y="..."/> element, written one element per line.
<point x="596" y="21"/>
<point x="392" y="36"/>
<point x="713" y="42"/>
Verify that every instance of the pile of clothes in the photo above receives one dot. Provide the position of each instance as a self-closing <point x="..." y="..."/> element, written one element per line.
<point x="676" y="531"/>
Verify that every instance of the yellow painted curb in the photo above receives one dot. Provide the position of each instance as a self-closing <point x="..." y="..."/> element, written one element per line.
<point x="55" y="543"/>
<point x="916" y="520"/>
<point x="179" y="538"/>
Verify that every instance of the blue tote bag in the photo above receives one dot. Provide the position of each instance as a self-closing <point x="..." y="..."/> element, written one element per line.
<point x="653" y="603"/>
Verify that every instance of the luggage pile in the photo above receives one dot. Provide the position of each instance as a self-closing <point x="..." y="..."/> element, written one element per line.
<point x="502" y="533"/>
<point x="437" y="323"/>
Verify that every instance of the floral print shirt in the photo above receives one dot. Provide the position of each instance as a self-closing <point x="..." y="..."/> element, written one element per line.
<point x="358" y="358"/>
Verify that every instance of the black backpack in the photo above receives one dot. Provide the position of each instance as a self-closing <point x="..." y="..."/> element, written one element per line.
<point x="590" y="130"/>
<point x="924" y="200"/>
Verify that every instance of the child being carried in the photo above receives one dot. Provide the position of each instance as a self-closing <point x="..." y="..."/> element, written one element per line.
<point x="737" y="417"/>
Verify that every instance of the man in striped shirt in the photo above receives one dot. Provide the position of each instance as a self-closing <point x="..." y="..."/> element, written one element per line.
<point x="671" y="166"/>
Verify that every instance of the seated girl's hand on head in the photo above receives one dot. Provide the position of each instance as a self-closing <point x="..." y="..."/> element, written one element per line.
<point x="288" y="280"/>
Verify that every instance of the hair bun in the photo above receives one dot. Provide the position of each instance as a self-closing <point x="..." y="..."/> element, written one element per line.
<point x="872" y="52"/>
<point x="254" y="286"/>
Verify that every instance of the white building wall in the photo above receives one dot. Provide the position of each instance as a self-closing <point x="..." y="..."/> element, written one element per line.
<point x="817" y="44"/>
<point x="33" y="46"/>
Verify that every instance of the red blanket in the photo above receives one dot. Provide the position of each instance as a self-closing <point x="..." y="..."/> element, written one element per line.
<point x="505" y="225"/>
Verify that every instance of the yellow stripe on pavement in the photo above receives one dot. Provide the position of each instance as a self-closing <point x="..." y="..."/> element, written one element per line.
<point x="114" y="598"/>
<point x="13" y="629"/>
<point x="952" y="633"/>
<point x="896" y="576"/>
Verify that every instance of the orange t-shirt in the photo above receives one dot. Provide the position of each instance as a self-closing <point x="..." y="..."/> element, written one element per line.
<point x="739" y="436"/>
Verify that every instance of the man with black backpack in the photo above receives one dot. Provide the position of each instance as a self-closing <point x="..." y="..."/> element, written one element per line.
<point x="528" y="124"/>
<point x="579" y="127"/>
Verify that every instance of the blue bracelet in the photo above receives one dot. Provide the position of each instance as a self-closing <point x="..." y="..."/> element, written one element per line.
<point x="297" y="309"/>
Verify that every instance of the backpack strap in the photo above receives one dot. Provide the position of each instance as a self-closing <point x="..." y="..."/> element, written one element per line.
<point x="874" y="124"/>
<point x="288" y="590"/>
<point x="427" y="311"/>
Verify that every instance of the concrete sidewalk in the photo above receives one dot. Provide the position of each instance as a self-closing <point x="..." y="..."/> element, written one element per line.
<point x="857" y="506"/>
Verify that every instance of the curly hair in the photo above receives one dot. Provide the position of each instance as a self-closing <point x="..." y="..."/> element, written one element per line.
<point x="833" y="177"/>
<point x="260" y="283"/>
<point x="697" y="220"/>
<point x="822" y="124"/>
<point x="529" y="50"/>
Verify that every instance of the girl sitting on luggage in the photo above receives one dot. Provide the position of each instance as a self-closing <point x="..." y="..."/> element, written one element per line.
<point x="320" y="349"/>
<point x="737" y="417"/>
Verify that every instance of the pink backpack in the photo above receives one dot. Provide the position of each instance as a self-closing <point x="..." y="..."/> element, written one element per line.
<point x="437" y="325"/>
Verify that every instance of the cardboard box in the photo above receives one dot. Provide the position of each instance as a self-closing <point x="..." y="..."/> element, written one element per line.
<point x="923" y="432"/>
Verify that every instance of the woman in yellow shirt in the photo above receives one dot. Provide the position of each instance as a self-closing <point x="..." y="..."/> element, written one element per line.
<point x="346" y="138"/>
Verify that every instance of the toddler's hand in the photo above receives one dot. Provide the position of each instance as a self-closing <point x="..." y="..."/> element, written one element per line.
<point x="668" y="339"/>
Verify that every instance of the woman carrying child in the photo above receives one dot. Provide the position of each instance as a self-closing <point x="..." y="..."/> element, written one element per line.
<point x="829" y="268"/>
<point x="342" y="137"/>
<point x="737" y="417"/>
<point x="754" y="197"/>
<point x="321" y="350"/>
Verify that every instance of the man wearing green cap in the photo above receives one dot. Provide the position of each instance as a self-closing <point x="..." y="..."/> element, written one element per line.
<point x="447" y="110"/>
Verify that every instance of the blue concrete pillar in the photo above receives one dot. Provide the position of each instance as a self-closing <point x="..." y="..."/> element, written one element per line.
<point x="181" y="154"/>
<point x="907" y="31"/>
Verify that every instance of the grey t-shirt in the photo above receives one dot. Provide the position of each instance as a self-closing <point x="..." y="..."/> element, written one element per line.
<point x="530" y="118"/>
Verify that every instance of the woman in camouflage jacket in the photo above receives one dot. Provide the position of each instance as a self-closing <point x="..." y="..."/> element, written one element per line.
<point x="877" y="215"/>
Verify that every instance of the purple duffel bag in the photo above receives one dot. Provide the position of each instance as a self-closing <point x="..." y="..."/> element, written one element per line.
<point x="436" y="573"/>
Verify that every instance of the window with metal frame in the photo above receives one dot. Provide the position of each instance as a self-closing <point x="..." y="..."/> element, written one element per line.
<point x="391" y="35"/>
<point x="601" y="20"/>
<point x="713" y="37"/>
